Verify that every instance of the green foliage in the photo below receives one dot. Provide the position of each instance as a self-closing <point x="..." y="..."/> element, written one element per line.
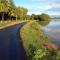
<point x="12" y="5"/>
<point x="4" y="6"/>
<point x="22" y="13"/>
<point x="33" y="16"/>
<point x="33" y="39"/>
<point x="39" y="54"/>
<point x="28" y="17"/>
<point x="4" y="23"/>
<point x="43" y="19"/>
<point x="58" y="55"/>
<point x="8" y="7"/>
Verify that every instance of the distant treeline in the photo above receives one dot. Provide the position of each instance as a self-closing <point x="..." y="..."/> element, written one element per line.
<point x="56" y="18"/>
<point x="40" y="17"/>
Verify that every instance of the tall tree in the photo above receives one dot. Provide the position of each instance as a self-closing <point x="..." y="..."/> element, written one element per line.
<point x="12" y="8"/>
<point x="12" y="4"/>
<point x="8" y="6"/>
<point x="20" y="13"/>
<point x="4" y="7"/>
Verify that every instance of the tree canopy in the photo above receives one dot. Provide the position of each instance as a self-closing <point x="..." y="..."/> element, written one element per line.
<point x="43" y="18"/>
<point x="9" y="9"/>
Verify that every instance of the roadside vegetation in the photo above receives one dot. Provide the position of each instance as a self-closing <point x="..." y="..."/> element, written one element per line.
<point x="4" y="23"/>
<point x="9" y="23"/>
<point x="37" y="44"/>
<point x="33" y="40"/>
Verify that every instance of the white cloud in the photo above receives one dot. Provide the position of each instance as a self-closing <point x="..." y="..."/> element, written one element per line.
<point x="52" y="8"/>
<point x="53" y="1"/>
<point x="38" y="10"/>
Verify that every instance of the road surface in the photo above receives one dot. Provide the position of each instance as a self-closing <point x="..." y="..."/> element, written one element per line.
<point x="11" y="47"/>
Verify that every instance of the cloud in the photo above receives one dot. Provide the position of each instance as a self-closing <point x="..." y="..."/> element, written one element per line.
<point x="55" y="7"/>
<point x="38" y="10"/>
<point x="52" y="8"/>
<point x="49" y="1"/>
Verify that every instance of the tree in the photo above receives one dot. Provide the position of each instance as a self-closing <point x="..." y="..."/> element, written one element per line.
<point x="28" y="17"/>
<point x="44" y="19"/>
<point x="8" y="7"/>
<point x="4" y="7"/>
<point x="33" y="16"/>
<point x="22" y="12"/>
<point x="12" y="5"/>
<point x="12" y="10"/>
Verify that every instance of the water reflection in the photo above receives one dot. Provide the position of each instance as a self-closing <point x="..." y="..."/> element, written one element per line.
<point x="53" y="30"/>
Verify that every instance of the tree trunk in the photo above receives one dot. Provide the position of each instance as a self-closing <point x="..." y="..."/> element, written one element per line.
<point x="2" y="16"/>
<point x="16" y="17"/>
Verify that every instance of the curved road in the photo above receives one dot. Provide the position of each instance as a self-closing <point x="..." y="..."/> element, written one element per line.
<point x="11" y="47"/>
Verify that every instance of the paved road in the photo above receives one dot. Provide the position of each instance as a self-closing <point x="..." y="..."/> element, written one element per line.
<point x="11" y="47"/>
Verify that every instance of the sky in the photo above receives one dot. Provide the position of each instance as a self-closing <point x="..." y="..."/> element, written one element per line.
<point x="51" y="7"/>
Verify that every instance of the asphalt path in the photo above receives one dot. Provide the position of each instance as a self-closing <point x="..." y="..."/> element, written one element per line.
<point x="11" y="47"/>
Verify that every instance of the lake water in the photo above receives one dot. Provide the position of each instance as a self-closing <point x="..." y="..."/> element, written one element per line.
<point x="53" y="31"/>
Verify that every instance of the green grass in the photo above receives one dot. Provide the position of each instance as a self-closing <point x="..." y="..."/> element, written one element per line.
<point x="4" y="23"/>
<point x="33" y="38"/>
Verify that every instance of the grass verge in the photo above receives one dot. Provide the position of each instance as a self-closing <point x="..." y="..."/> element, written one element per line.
<point x="4" y="24"/>
<point x="33" y="38"/>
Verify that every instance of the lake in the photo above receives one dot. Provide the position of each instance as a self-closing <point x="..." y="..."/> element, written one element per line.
<point x="53" y="31"/>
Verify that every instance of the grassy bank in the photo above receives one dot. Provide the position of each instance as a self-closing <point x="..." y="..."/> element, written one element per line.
<point x="33" y="38"/>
